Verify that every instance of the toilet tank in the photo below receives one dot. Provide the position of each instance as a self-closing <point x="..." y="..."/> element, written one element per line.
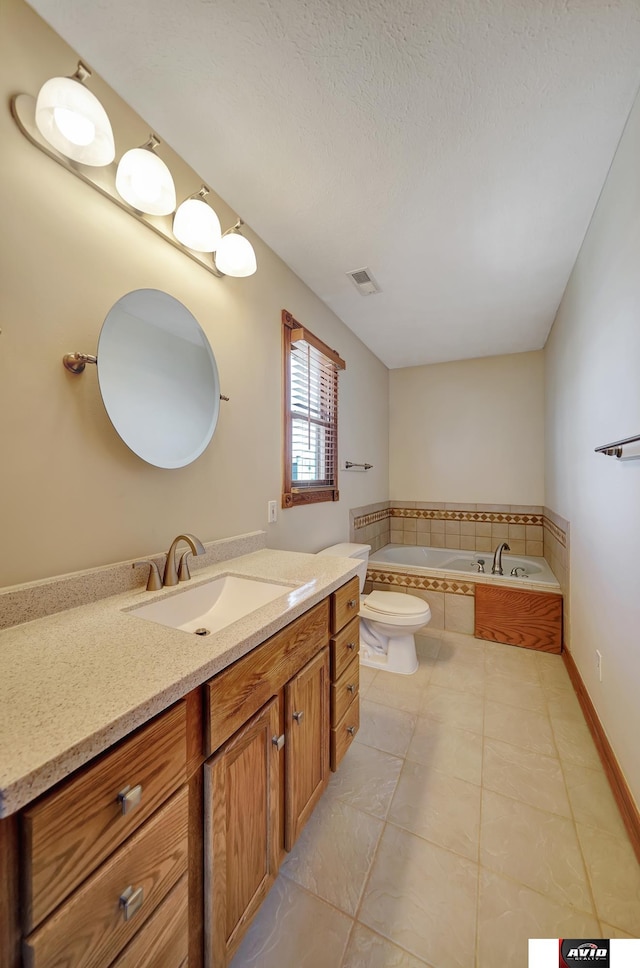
<point x="349" y="550"/>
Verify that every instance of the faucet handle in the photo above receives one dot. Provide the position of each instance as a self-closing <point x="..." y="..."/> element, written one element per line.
<point x="154" y="582"/>
<point x="183" y="568"/>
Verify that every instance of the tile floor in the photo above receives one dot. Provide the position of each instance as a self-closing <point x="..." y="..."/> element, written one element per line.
<point x="470" y="814"/>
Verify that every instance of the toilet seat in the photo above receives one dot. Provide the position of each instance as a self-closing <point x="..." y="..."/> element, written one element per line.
<point x="394" y="608"/>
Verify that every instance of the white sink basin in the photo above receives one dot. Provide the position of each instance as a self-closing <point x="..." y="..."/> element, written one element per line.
<point x="212" y="605"/>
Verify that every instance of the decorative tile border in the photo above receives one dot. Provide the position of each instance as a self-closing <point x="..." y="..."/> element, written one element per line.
<point x="492" y="517"/>
<point x="437" y="514"/>
<point x="424" y="583"/>
<point x="373" y="518"/>
<point x="558" y="533"/>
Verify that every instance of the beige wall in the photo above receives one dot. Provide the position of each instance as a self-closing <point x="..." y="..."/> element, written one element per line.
<point x="72" y="495"/>
<point x="593" y="397"/>
<point x="468" y="432"/>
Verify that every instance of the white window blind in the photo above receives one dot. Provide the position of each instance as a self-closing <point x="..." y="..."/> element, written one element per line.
<point x="310" y="416"/>
<point x="314" y="405"/>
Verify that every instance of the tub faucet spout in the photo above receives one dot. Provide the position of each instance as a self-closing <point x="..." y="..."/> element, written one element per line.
<point x="496" y="568"/>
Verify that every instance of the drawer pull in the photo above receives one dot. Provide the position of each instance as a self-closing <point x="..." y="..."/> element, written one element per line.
<point x="351" y="688"/>
<point x="131" y="901"/>
<point x="278" y="741"/>
<point x="352" y="602"/>
<point x="351" y="730"/>
<point x="351" y="646"/>
<point x="129" y="798"/>
<point x="299" y="716"/>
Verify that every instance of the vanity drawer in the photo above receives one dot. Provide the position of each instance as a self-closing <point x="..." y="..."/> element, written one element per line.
<point x="344" y="646"/>
<point x="163" y="941"/>
<point x="69" y="832"/>
<point x="91" y="928"/>
<point x="345" y="604"/>
<point x="344" y="691"/>
<point x="343" y="734"/>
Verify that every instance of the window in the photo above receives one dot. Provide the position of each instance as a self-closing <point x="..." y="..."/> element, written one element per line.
<point x="310" y="416"/>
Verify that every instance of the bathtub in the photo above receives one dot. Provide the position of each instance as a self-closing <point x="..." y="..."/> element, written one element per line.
<point x="536" y="570"/>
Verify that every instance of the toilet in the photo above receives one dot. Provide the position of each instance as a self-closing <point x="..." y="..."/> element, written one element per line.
<point x="388" y="620"/>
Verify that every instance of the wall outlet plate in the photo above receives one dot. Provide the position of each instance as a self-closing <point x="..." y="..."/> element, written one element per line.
<point x="599" y="664"/>
<point x="272" y="512"/>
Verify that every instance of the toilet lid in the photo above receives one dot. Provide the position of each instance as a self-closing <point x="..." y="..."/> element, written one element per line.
<point x="395" y="603"/>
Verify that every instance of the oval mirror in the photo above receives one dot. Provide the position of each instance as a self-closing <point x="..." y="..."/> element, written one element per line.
<point x="158" y="378"/>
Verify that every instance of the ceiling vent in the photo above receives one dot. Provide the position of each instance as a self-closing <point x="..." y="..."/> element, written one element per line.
<point x="364" y="282"/>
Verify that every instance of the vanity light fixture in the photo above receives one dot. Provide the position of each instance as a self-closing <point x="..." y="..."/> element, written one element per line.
<point x="196" y="225"/>
<point x="72" y="119"/>
<point x="68" y="124"/>
<point x="235" y="255"/>
<point x="144" y="181"/>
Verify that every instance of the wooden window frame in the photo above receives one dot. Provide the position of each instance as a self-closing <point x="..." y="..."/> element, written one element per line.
<point x="292" y="330"/>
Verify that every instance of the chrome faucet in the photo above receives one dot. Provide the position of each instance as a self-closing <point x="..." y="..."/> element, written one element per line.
<point x="171" y="576"/>
<point x="496" y="567"/>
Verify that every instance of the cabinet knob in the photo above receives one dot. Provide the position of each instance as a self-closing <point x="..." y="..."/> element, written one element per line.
<point x="351" y="688"/>
<point x="351" y="730"/>
<point x="352" y="602"/>
<point x="129" y="798"/>
<point x="299" y="716"/>
<point x="278" y="741"/>
<point x="131" y="901"/>
<point x="351" y="646"/>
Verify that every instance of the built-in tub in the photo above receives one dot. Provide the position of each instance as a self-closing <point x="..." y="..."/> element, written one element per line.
<point x="465" y="562"/>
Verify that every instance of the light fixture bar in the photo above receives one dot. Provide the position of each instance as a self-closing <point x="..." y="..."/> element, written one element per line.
<point x="102" y="179"/>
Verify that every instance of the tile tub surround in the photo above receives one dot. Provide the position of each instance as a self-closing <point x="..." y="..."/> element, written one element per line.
<point x="454" y="858"/>
<point x="529" y="529"/>
<point x="75" y="682"/>
<point x="33" y="600"/>
<point x="468" y="527"/>
<point x="370" y="525"/>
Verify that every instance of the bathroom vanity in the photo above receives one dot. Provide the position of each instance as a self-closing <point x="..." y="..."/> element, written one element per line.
<point x="159" y="850"/>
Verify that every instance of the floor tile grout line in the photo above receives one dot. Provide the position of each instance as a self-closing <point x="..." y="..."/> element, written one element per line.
<point x="318" y="897"/>
<point x="346" y="947"/>
<point x="433" y="843"/>
<point x="534" y="890"/>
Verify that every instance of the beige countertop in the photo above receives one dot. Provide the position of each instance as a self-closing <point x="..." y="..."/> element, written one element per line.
<point x="73" y="683"/>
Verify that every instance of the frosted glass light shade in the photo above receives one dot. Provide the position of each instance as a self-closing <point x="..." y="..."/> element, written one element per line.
<point x="197" y="226"/>
<point x="72" y="119"/>
<point x="235" y="256"/>
<point x="145" y="182"/>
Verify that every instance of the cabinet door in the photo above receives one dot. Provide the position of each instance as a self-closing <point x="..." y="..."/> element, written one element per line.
<point x="241" y="832"/>
<point x="306" y="743"/>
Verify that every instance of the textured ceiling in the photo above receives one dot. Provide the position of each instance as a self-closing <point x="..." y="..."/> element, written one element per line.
<point x="455" y="147"/>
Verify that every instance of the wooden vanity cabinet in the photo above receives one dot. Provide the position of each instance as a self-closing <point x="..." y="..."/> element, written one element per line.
<point x="105" y="855"/>
<point x="345" y="679"/>
<point x="98" y="873"/>
<point x="242" y="850"/>
<point x="306" y="747"/>
<point x="262" y="784"/>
